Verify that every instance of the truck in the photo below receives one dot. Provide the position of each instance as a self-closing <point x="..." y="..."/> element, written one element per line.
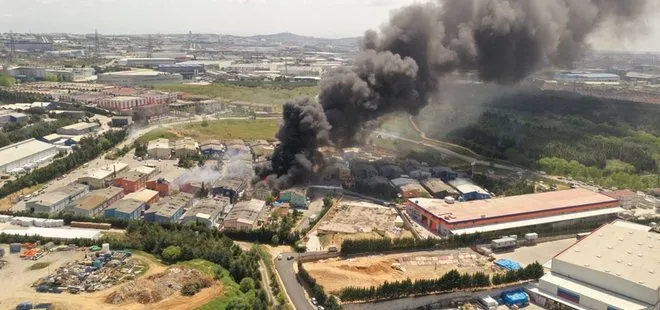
<point x="503" y="243"/>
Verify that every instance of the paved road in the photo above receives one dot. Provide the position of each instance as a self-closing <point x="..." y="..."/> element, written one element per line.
<point x="294" y="289"/>
<point x="449" y="152"/>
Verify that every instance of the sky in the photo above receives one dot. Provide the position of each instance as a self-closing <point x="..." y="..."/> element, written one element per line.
<point x="320" y="18"/>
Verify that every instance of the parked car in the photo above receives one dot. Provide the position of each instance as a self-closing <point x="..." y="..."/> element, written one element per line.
<point x="314" y="301"/>
<point x="289" y="257"/>
<point x="279" y="257"/>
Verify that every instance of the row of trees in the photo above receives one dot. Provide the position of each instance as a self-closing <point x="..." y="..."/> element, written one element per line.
<point x="36" y="130"/>
<point x="12" y="97"/>
<point x="355" y="246"/>
<point x="279" y="230"/>
<point x="316" y="290"/>
<point x="452" y="280"/>
<point x="88" y="149"/>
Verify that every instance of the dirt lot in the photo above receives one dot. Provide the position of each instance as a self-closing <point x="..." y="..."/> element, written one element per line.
<point x="333" y="274"/>
<point x="352" y="219"/>
<point x="17" y="280"/>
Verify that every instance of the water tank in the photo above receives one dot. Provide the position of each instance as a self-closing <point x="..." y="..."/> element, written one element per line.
<point x="15" y="248"/>
<point x="105" y="248"/>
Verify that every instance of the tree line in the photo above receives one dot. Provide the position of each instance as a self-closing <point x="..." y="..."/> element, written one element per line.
<point x="35" y="130"/>
<point x="88" y="149"/>
<point x="316" y="290"/>
<point x="13" y="97"/>
<point x="356" y="246"/>
<point x="452" y="280"/>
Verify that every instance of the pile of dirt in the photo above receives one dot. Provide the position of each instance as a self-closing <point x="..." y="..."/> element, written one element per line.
<point x="156" y="287"/>
<point x="376" y="268"/>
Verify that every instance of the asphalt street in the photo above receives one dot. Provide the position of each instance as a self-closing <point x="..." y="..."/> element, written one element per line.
<point x="294" y="289"/>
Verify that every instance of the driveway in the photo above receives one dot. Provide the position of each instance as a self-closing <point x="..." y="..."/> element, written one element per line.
<point x="314" y="208"/>
<point x="294" y="289"/>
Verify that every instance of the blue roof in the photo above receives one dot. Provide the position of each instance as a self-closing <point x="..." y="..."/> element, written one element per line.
<point x="515" y="297"/>
<point x="508" y="264"/>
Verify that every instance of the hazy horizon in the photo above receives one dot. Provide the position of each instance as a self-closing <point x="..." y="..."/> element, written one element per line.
<point x="316" y="18"/>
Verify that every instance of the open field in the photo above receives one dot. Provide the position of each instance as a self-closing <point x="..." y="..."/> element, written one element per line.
<point x="17" y="279"/>
<point x="336" y="273"/>
<point x="230" y="129"/>
<point x="217" y="129"/>
<point x="251" y="94"/>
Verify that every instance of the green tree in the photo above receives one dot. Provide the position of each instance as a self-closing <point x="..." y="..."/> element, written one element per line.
<point x="171" y="253"/>
<point x="51" y="77"/>
<point x="239" y="303"/>
<point x="4" y="140"/>
<point x="270" y="199"/>
<point x="247" y="284"/>
<point x="7" y="80"/>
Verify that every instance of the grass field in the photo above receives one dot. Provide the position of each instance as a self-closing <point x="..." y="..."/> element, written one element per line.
<point x="251" y="94"/>
<point x="156" y="134"/>
<point x="229" y="287"/>
<point x="230" y="129"/>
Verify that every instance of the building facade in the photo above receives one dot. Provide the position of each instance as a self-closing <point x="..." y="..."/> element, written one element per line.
<point x="26" y="153"/>
<point x="126" y="208"/>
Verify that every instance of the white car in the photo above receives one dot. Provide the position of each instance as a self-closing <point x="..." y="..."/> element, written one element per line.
<point x="314" y="301"/>
<point x="279" y="257"/>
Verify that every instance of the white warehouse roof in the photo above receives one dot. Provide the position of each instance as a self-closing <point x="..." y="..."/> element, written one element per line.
<point x="21" y="150"/>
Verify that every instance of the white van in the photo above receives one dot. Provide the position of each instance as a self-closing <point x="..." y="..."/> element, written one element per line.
<point x="487" y="302"/>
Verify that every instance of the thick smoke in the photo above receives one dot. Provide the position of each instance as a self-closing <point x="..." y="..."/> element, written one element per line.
<point x="400" y="67"/>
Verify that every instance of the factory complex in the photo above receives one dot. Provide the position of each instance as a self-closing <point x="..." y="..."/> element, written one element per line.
<point x="447" y="217"/>
<point x="615" y="267"/>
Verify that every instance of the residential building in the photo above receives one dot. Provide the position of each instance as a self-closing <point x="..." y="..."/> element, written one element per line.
<point x="56" y="200"/>
<point x="139" y="77"/>
<point x="159" y="148"/>
<point x="565" y="207"/>
<point x="207" y="211"/>
<point x="615" y="267"/>
<point x="97" y="201"/>
<point x="230" y="187"/>
<point x="169" y="209"/>
<point x="131" y="181"/>
<point x="185" y="146"/>
<point x="147" y="196"/>
<point x="126" y="208"/>
<point x="25" y="154"/>
<point x="245" y="215"/>
<point x="79" y="129"/>
<point x="468" y="190"/>
<point x="439" y="189"/>
<point x="296" y="197"/>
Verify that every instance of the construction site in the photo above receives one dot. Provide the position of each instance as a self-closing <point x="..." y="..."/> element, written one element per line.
<point x="360" y="219"/>
<point x="335" y="273"/>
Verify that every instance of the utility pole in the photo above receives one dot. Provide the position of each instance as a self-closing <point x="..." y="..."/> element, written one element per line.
<point x="12" y="46"/>
<point x="96" y="43"/>
<point x="150" y="47"/>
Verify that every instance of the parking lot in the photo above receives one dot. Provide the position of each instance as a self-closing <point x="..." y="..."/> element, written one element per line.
<point x="541" y="252"/>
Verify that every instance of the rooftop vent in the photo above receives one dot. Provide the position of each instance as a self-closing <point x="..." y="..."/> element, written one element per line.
<point x="652" y="271"/>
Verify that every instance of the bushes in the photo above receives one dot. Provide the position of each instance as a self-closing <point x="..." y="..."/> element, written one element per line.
<point x="355" y="246"/>
<point x="450" y="281"/>
<point x="193" y="287"/>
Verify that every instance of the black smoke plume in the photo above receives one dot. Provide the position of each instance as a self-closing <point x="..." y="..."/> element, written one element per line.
<point x="399" y="67"/>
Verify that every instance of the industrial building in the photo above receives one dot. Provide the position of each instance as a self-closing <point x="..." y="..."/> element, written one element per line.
<point x="162" y="186"/>
<point x="146" y="62"/>
<point x="7" y="117"/>
<point x="169" y="209"/>
<point x="615" y="267"/>
<point x="583" y="77"/>
<point x="25" y="154"/>
<point x="468" y="190"/>
<point x="40" y="44"/>
<point x="79" y="129"/>
<point x="296" y="197"/>
<point x="159" y="148"/>
<point x="131" y="181"/>
<point x="439" y="189"/>
<point x="122" y="103"/>
<point x="147" y="196"/>
<point x="99" y="178"/>
<point x="409" y="188"/>
<point x="207" y="211"/>
<point x="231" y="187"/>
<point x="138" y="78"/>
<point x="126" y="208"/>
<point x="57" y="200"/>
<point x="188" y="71"/>
<point x="185" y="146"/>
<point x="212" y="148"/>
<point x="245" y="215"/>
<point x="121" y="121"/>
<point x="97" y="201"/>
<point x="567" y="206"/>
